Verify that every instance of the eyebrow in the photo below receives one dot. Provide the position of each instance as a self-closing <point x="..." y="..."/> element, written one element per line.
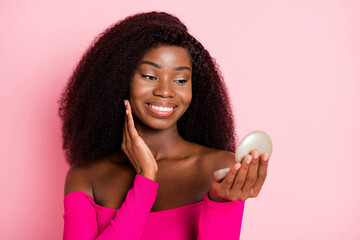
<point x="159" y="66"/>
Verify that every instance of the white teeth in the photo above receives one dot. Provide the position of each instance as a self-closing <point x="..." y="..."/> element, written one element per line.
<point x="163" y="109"/>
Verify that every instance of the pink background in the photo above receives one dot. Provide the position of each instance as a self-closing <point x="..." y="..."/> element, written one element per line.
<point x="292" y="68"/>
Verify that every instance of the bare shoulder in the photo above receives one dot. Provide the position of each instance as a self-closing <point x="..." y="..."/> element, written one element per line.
<point x="213" y="159"/>
<point x="220" y="159"/>
<point x="77" y="179"/>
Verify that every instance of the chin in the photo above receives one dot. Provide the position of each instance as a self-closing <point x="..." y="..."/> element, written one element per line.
<point x="159" y="124"/>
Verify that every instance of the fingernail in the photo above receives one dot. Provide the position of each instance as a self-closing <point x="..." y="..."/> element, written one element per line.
<point x="248" y="161"/>
<point x="237" y="166"/>
<point x="125" y="102"/>
<point x="256" y="154"/>
<point x="266" y="157"/>
<point x="127" y="112"/>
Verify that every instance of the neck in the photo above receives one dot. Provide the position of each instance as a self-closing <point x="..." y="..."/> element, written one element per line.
<point x="162" y="143"/>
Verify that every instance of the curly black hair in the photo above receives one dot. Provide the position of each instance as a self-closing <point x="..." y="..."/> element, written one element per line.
<point x="91" y="105"/>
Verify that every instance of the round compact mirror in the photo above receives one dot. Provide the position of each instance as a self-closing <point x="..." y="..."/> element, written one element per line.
<point x="255" y="140"/>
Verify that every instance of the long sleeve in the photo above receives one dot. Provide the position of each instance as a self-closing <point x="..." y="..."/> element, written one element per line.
<point x="80" y="219"/>
<point x="220" y="220"/>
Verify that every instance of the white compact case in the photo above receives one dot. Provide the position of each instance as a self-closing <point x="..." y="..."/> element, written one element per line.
<point x="255" y="140"/>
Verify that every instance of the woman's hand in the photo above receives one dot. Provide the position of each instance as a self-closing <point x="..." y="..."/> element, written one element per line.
<point x="243" y="181"/>
<point x="136" y="149"/>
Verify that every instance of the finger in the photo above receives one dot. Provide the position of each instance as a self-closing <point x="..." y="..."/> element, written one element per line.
<point x="126" y="127"/>
<point x="130" y="120"/>
<point x="252" y="173"/>
<point x="131" y="125"/>
<point x="262" y="172"/>
<point x="241" y="176"/>
<point x="127" y="121"/>
<point x="229" y="178"/>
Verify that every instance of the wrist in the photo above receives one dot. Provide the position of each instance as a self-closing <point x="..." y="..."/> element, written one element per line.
<point x="149" y="174"/>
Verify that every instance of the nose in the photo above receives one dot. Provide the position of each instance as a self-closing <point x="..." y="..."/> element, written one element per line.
<point x="164" y="89"/>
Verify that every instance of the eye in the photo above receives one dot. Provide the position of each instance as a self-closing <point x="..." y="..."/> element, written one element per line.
<point x="181" y="81"/>
<point x="149" y="77"/>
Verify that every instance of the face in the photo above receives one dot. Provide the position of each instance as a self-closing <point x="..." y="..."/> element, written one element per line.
<point x="160" y="89"/>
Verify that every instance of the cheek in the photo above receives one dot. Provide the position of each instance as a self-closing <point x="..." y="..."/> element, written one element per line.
<point x="137" y="90"/>
<point x="189" y="95"/>
<point x="186" y="96"/>
<point x="135" y="95"/>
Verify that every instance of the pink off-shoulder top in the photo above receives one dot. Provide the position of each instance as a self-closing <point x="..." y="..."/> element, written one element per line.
<point x="84" y="219"/>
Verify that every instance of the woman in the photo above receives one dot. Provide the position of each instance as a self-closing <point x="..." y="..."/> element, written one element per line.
<point x="146" y="121"/>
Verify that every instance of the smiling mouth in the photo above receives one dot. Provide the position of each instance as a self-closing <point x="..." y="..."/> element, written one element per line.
<point x="161" y="111"/>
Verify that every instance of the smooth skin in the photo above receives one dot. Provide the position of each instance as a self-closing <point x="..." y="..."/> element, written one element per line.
<point x="153" y="147"/>
<point x="164" y="75"/>
<point x="242" y="182"/>
<point x="136" y="149"/>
